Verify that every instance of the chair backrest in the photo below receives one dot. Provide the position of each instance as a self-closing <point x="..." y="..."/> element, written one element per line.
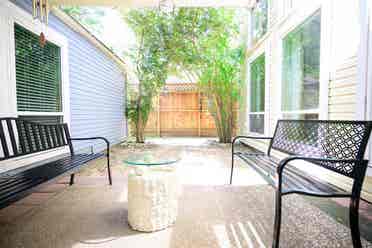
<point x="325" y="139"/>
<point x="19" y="137"/>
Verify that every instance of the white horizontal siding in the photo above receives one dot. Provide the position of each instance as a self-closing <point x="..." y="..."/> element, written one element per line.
<point x="342" y="90"/>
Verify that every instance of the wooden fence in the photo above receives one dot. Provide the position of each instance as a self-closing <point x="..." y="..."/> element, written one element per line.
<point x="181" y="110"/>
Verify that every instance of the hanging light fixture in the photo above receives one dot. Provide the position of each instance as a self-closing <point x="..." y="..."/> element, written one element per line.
<point x="40" y="10"/>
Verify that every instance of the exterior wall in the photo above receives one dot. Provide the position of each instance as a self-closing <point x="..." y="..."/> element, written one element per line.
<point x="345" y="40"/>
<point x="340" y="38"/>
<point x="97" y="87"/>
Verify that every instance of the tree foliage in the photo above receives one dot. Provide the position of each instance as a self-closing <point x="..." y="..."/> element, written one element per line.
<point x="199" y="42"/>
<point x="207" y="47"/>
<point x="88" y="17"/>
<point x="150" y="57"/>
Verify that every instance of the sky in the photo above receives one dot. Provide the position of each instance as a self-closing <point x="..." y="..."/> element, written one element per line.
<point x="115" y="32"/>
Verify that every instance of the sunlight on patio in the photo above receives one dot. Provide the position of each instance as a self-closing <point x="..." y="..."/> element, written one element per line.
<point x="227" y="235"/>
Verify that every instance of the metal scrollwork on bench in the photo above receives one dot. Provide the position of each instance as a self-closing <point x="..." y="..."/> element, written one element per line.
<point x="334" y="140"/>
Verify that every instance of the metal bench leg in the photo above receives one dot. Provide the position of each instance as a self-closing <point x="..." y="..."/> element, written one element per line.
<point x="108" y="168"/>
<point x="278" y="217"/>
<point x="72" y="179"/>
<point x="354" y="222"/>
<point x="232" y="168"/>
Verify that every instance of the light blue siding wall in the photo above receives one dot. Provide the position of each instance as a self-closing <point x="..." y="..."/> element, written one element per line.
<point x="97" y="87"/>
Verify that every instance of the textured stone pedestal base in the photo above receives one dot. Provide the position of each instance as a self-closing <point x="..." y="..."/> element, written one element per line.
<point x="152" y="199"/>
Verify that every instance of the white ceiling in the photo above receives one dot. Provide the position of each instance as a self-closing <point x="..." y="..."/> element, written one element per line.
<point x="155" y="3"/>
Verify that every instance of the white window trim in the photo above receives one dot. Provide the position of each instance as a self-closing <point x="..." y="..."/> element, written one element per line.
<point x="291" y="24"/>
<point x="257" y="53"/>
<point x="11" y="14"/>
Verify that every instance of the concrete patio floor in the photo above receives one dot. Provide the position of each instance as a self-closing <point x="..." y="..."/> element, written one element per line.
<point x="204" y="166"/>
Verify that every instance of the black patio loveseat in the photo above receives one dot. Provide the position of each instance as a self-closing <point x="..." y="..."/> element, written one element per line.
<point x="338" y="146"/>
<point x="21" y="138"/>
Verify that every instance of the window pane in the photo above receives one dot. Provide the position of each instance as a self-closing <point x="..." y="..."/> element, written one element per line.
<point x="259" y="20"/>
<point x="257" y="89"/>
<point x="257" y="123"/>
<point x="301" y="57"/>
<point x="38" y="73"/>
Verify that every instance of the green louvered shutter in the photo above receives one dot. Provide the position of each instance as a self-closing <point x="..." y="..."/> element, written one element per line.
<point x="38" y="73"/>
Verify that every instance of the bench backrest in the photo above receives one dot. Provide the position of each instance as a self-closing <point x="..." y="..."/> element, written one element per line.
<point x="325" y="139"/>
<point x="19" y="137"/>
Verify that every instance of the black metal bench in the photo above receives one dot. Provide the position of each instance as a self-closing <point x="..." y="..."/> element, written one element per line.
<point x="20" y="137"/>
<point x="338" y="146"/>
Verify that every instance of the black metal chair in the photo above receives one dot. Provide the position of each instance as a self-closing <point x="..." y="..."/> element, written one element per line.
<point x="338" y="146"/>
<point x="19" y="137"/>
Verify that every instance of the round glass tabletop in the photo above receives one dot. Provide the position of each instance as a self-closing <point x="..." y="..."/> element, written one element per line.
<point x="152" y="158"/>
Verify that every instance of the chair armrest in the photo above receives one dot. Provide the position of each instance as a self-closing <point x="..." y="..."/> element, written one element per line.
<point x="286" y="160"/>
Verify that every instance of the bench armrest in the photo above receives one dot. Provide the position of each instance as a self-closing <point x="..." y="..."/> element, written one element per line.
<point x="286" y="160"/>
<point x="250" y="137"/>
<point x="94" y="138"/>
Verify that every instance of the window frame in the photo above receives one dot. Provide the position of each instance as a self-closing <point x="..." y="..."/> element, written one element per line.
<point x="15" y="15"/>
<point x="290" y="25"/>
<point x="259" y="52"/>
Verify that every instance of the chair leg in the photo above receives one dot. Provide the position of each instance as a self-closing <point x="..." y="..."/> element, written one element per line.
<point x="232" y="168"/>
<point x="109" y="170"/>
<point x="72" y="179"/>
<point x="354" y="222"/>
<point x="278" y="217"/>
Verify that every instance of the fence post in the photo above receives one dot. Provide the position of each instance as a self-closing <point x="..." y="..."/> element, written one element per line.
<point x="158" y="120"/>
<point x="199" y="113"/>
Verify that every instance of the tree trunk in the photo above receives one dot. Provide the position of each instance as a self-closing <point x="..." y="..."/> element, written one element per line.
<point x="222" y="120"/>
<point x="140" y="128"/>
<point x="140" y="137"/>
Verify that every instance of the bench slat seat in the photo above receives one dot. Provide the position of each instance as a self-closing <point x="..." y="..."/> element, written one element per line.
<point x="20" y="137"/>
<point x="293" y="180"/>
<point x="18" y="180"/>
<point x="337" y="146"/>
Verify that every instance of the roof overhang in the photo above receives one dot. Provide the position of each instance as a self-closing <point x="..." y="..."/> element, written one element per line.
<point x="155" y="3"/>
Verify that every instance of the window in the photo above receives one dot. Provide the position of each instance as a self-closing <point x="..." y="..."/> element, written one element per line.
<point x="38" y="76"/>
<point x="257" y="96"/>
<point x="300" y="71"/>
<point x="259" y="20"/>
